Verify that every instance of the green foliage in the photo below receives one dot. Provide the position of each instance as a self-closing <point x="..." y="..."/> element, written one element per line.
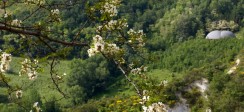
<point x="193" y="97"/>
<point x="111" y="104"/>
<point x="229" y="88"/>
<point x="29" y="98"/>
<point x="89" y="76"/>
<point x="182" y="22"/>
<point x="51" y="106"/>
<point x="10" y="108"/>
<point x="198" y="53"/>
<point x="89" y="107"/>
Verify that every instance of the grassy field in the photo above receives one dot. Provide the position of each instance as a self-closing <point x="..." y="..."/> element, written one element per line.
<point x="43" y="83"/>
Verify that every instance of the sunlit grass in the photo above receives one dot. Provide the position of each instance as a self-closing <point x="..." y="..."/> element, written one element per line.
<point x="43" y="83"/>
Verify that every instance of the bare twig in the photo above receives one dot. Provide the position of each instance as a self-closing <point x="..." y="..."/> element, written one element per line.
<point x="52" y="72"/>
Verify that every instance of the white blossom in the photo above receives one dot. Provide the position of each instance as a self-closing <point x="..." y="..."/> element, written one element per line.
<point x="38" y="2"/>
<point x="131" y="32"/>
<point x="18" y="93"/>
<point x="35" y="104"/>
<point x="165" y="82"/>
<point x="59" y="77"/>
<point x="97" y="38"/>
<point x="155" y="107"/>
<point x="208" y="110"/>
<point x="232" y="70"/>
<point x="144" y="92"/>
<point x="55" y="12"/>
<point x="29" y="67"/>
<point x="32" y="75"/>
<point x="36" y="107"/>
<point x="112" y="49"/>
<point x="111" y="25"/>
<point x="140" y="31"/>
<point x="114" y="24"/>
<point x="5" y="15"/>
<point x="144" y="108"/>
<point x="99" y="28"/>
<point x="16" y="22"/>
<point x="5" y="60"/>
<point x="110" y="8"/>
<point x="136" y="37"/>
<point x="99" y="46"/>
<point x="145" y="98"/>
<point x="136" y="71"/>
<point x="139" y="70"/>
<point x="91" y="52"/>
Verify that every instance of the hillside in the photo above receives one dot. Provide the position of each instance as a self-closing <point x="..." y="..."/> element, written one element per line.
<point x="151" y="54"/>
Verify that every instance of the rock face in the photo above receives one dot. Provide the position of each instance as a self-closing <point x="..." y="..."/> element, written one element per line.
<point x="220" y="34"/>
<point x="202" y="86"/>
<point x="180" y="107"/>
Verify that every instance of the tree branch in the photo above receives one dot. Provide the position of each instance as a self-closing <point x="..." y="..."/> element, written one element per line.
<point x="53" y="80"/>
<point x="37" y="33"/>
<point x="128" y="79"/>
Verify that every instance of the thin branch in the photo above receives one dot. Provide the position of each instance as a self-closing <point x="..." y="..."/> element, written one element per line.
<point x="5" y="82"/>
<point x="11" y="91"/>
<point x="31" y="14"/>
<point x="21" y="106"/>
<point x="49" y="46"/>
<point x="128" y="79"/>
<point x="53" y="80"/>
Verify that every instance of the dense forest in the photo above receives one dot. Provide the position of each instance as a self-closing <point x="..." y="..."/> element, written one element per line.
<point x="183" y="70"/>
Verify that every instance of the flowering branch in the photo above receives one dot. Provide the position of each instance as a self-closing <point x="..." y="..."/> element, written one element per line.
<point x="128" y="79"/>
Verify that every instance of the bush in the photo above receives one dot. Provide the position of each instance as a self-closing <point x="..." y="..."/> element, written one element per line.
<point x="88" y="77"/>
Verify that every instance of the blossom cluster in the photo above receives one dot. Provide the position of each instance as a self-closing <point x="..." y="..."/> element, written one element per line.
<point x="16" y="22"/>
<point x="18" y="94"/>
<point x="55" y="15"/>
<point x="110" y="7"/>
<point x="6" y="15"/>
<point x="139" y="70"/>
<point x="29" y="67"/>
<point x="113" y="25"/>
<point x="144" y="99"/>
<point x="112" y="49"/>
<point x="36" y="107"/>
<point x="5" y="60"/>
<point x="136" y="37"/>
<point x="55" y="12"/>
<point x="38" y="2"/>
<point x="155" y="107"/>
<point x="163" y="83"/>
<point x="100" y="46"/>
<point x="60" y="77"/>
